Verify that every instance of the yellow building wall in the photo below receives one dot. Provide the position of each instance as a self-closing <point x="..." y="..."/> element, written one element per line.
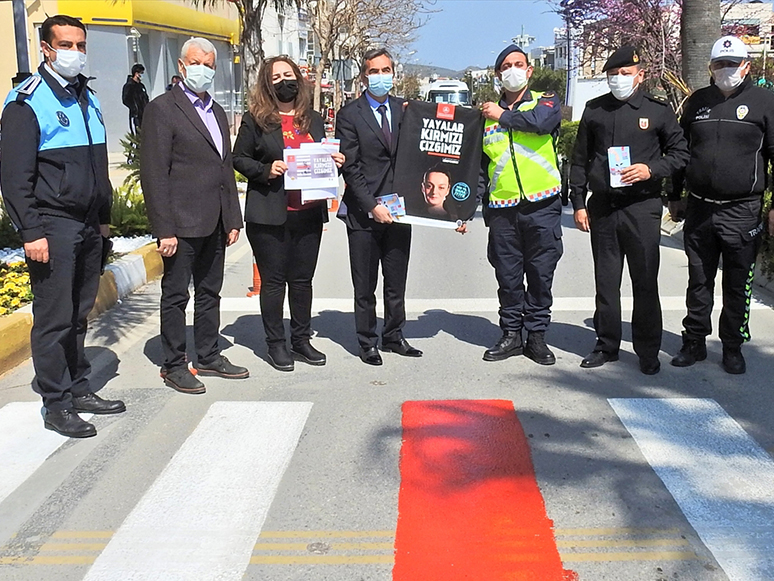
<point x="178" y="16"/>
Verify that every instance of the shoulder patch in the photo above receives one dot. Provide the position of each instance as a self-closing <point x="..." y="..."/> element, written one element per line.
<point x="28" y="86"/>
<point x="657" y="99"/>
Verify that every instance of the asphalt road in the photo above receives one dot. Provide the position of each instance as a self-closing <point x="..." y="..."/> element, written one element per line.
<point x="320" y="474"/>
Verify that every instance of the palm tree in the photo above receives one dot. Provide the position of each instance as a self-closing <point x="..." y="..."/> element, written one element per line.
<point x="699" y="29"/>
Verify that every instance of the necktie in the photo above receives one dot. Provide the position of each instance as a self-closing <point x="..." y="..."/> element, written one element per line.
<point x="385" y="124"/>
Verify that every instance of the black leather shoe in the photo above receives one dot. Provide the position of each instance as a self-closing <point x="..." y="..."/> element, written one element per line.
<point x="693" y="350"/>
<point x="401" y="347"/>
<point x="733" y="360"/>
<point x="68" y="423"/>
<point x="183" y="380"/>
<point x="508" y="345"/>
<point x="650" y="365"/>
<point x="370" y="356"/>
<point x="93" y="404"/>
<point x="308" y="354"/>
<point x="222" y="367"/>
<point x="279" y="357"/>
<point x="537" y="350"/>
<point x="598" y="359"/>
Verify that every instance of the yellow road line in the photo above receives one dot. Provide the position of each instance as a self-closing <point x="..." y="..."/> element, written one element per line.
<point x="332" y="546"/>
<point x="624" y="543"/>
<point x="73" y="547"/>
<point x="325" y="534"/>
<point x="49" y="560"/>
<point x="633" y="556"/>
<point x="604" y="532"/>
<point x="82" y="535"/>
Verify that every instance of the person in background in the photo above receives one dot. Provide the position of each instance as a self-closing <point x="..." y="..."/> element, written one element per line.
<point x="284" y="233"/>
<point x="54" y="179"/>
<point x="174" y="81"/>
<point x="135" y="97"/>
<point x="187" y="178"/>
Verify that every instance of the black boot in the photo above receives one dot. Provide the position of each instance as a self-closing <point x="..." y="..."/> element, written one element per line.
<point x="507" y="346"/>
<point x="91" y="403"/>
<point x="308" y="354"/>
<point x="693" y="350"/>
<point x="733" y="361"/>
<point x="537" y="350"/>
<point x="280" y="357"/>
<point x="68" y="423"/>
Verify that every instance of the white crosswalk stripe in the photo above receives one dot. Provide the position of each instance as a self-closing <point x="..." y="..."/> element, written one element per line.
<point x="718" y="475"/>
<point x="202" y="515"/>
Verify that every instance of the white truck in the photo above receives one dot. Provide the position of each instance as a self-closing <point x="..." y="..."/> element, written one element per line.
<point x="449" y="91"/>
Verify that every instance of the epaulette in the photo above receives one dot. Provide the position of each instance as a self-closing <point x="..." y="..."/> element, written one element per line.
<point x="28" y="87"/>
<point x="657" y="99"/>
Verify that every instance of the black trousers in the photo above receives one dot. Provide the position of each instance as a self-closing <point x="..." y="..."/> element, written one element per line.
<point x="286" y="256"/>
<point x="64" y="290"/>
<point x="525" y="241"/>
<point x="203" y="259"/>
<point x="631" y="231"/>
<point x="731" y="231"/>
<point x="367" y="248"/>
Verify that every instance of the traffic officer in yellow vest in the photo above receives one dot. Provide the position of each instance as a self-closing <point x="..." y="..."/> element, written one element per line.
<point x="520" y="185"/>
<point x="627" y="142"/>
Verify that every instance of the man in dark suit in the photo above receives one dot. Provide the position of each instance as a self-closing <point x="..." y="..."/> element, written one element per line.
<point x="188" y="183"/>
<point x="368" y="130"/>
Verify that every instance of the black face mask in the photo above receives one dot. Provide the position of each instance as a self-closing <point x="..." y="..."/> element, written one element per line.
<point x="286" y="90"/>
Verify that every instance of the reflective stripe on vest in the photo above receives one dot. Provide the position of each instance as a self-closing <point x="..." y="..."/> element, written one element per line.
<point x="62" y="122"/>
<point x="522" y="167"/>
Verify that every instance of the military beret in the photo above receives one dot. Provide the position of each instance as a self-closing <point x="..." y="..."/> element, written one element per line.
<point x="626" y="56"/>
<point x="505" y="52"/>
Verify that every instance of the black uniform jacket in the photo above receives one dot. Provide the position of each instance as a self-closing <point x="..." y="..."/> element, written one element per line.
<point x="134" y="96"/>
<point x="731" y="142"/>
<point x="254" y="152"/>
<point x="644" y="123"/>
<point x="188" y="186"/>
<point x="369" y="168"/>
<point x="70" y="181"/>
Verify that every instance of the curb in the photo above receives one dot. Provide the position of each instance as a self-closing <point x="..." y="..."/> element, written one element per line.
<point x="121" y="278"/>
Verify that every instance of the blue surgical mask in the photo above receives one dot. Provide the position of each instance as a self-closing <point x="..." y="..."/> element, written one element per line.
<point x="379" y="85"/>
<point x="199" y="78"/>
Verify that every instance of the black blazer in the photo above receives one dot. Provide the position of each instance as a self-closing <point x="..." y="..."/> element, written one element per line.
<point x="254" y="152"/>
<point x="188" y="186"/>
<point x="369" y="167"/>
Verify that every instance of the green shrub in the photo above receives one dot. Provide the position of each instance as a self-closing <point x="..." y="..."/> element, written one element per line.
<point x="239" y="177"/>
<point x="128" y="216"/>
<point x="766" y="254"/>
<point x="131" y="145"/>
<point x="566" y="141"/>
<point x="9" y="238"/>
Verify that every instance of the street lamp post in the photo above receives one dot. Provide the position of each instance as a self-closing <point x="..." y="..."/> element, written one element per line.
<point x="567" y="14"/>
<point x="20" y="33"/>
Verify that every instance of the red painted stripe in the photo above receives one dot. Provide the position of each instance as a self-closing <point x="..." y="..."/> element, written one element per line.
<point x="469" y="506"/>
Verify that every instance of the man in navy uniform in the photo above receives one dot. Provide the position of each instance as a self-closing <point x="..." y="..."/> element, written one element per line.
<point x="625" y="218"/>
<point x="56" y="188"/>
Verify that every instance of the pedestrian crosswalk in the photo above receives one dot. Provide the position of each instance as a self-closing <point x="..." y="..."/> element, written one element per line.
<point x="203" y="517"/>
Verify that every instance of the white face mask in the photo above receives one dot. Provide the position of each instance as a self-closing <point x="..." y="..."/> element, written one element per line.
<point x="622" y="86"/>
<point x="514" y="80"/>
<point x="68" y="63"/>
<point x="199" y="78"/>
<point x="728" y="79"/>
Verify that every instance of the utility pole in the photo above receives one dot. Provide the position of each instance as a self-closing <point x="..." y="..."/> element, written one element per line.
<point x="20" y="32"/>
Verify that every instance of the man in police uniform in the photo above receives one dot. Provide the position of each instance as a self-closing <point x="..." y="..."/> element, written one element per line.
<point x="730" y="130"/>
<point x="630" y="128"/>
<point x="520" y="186"/>
<point x="55" y="183"/>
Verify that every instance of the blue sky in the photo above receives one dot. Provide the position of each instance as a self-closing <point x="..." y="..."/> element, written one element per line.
<point x="471" y="32"/>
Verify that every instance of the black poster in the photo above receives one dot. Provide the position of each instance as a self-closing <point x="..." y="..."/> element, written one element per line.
<point x="438" y="161"/>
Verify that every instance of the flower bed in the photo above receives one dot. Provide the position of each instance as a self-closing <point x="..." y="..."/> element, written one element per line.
<point x="15" y="289"/>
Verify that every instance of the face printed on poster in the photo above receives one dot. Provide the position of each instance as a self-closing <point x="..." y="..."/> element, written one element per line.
<point x="438" y="160"/>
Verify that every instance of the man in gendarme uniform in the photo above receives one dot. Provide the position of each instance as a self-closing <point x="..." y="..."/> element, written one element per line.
<point x="520" y="185"/>
<point x="641" y="131"/>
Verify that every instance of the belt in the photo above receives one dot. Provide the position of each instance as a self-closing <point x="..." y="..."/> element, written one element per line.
<point x="724" y="202"/>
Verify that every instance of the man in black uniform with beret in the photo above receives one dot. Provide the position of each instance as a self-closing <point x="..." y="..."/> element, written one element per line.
<point x="628" y="141"/>
<point x="730" y="129"/>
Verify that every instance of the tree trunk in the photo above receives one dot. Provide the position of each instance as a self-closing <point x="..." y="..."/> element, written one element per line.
<point x="699" y="29"/>
<point x="319" y="69"/>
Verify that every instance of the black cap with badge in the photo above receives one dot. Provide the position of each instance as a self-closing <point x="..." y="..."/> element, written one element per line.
<point x="626" y="56"/>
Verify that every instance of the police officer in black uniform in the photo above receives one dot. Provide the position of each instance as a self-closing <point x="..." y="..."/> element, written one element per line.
<point x="639" y="132"/>
<point x="730" y="130"/>
<point x="55" y="184"/>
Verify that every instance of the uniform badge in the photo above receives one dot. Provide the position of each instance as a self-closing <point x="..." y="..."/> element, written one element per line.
<point x="63" y="120"/>
<point x="644" y="123"/>
<point x="742" y="111"/>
